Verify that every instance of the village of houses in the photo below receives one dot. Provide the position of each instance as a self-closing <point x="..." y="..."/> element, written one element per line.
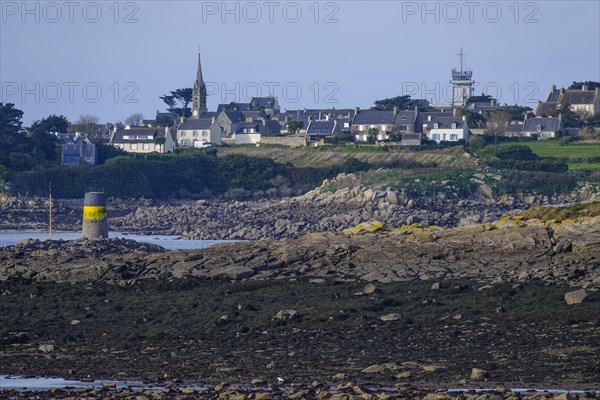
<point x="262" y="122"/>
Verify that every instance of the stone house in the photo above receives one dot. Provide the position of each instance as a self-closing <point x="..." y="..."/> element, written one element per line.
<point x="582" y="101"/>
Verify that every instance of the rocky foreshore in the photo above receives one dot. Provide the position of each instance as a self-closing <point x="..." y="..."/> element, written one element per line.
<point x="321" y="210"/>
<point x="347" y="391"/>
<point x="508" y="250"/>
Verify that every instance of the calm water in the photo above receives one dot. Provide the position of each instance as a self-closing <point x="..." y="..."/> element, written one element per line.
<point x="166" y="241"/>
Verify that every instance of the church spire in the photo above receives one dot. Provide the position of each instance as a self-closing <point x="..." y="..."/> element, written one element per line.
<point x="199" y="92"/>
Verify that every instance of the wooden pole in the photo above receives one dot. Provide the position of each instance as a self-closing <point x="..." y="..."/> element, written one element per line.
<point x="50" y="189"/>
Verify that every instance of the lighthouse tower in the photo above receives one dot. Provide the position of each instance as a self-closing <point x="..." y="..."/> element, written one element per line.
<point x="462" y="83"/>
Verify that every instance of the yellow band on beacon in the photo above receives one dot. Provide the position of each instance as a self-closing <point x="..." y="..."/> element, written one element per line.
<point x="94" y="213"/>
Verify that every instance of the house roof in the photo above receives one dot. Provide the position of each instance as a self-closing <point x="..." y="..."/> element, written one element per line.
<point x="544" y="124"/>
<point x="236" y="107"/>
<point x="200" y="123"/>
<point x="425" y="115"/>
<point x="553" y="96"/>
<point x="406" y="117"/>
<point x="340" y="124"/>
<point x="578" y="97"/>
<point x="138" y="135"/>
<point x="240" y="116"/>
<point x="446" y="123"/>
<point x="546" y="108"/>
<point x="515" y="128"/>
<point x="322" y="128"/>
<point x="374" y="117"/>
<point x="265" y="102"/>
<point x="209" y="114"/>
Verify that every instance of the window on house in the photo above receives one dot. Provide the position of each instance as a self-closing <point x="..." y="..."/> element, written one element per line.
<point x="404" y="118"/>
<point x="403" y="127"/>
<point x="134" y="146"/>
<point x="436" y="137"/>
<point x="195" y="133"/>
<point x="204" y="133"/>
<point x="150" y="137"/>
<point x="361" y="127"/>
<point x="435" y="125"/>
<point x="183" y="134"/>
<point x="146" y="146"/>
<point x="453" y="136"/>
<point x="453" y="125"/>
<point x="126" y="137"/>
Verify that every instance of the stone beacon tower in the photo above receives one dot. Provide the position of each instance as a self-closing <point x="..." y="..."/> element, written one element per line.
<point x="199" y="93"/>
<point x="462" y="83"/>
<point x="95" y="217"/>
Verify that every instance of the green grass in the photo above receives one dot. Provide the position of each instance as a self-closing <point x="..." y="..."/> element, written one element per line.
<point x="552" y="148"/>
<point x="585" y="167"/>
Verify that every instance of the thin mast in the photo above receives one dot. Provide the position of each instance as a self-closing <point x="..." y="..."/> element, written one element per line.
<point x="50" y="189"/>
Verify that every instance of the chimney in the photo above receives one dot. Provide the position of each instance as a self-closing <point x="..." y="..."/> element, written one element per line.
<point x="526" y="116"/>
<point x="562" y="91"/>
<point x="127" y="126"/>
<point x="493" y="102"/>
<point x="454" y="112"/>
<point x="166" y="130"/>
<point x="429" y="118"/>
<point x="584" y="87"/>
<point x="115" y="126"/>
<point x="356" y="110"/>
<point x="395" y="110"/>
<point x="552" y="88"/>
<point x="212" y="120"/>
<point x="559" y="117"/>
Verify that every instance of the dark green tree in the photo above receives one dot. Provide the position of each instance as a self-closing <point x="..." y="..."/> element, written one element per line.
<point x="294" y="126"/>
<point x="10" y="119"/>
<point x="178" y="101"/>
<point x="402" y="102"/>
<point x="483" y="98"/>
<point x="591" y="85"/>
<point x="52" y="123"/>
<point x="570" y="118"/>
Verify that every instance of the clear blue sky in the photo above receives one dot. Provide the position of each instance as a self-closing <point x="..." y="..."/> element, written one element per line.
<point x="114" y="58"/>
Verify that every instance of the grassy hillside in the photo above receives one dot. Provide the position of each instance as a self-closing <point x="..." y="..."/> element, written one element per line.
<point x="314" y="157"/>
<point x="553" y="148"/>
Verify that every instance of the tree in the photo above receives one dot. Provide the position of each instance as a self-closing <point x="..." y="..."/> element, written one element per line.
<point x="497" y="123"/>
<point x="182" y="96"/>
<point x="570" y="118"/>
<point x="591" y="85"/>
<point x="372" y="138"/>
<point x="10" y="119"/>
<point x="52" y="123"/>
<point x="134" y="119"/>
<point x="474" y="119"/>
<point x="483" y="98"/>
<point x="160" y="140"/>
<point x="294" y="126"/>
<point x="402" y="102"/>
<point x="88" y="124"/>
<point x="164" y="121"/>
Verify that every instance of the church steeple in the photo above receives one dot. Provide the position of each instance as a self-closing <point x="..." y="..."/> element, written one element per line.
<point x="199" y="93"/>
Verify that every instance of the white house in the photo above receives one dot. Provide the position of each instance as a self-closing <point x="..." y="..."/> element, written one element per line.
<point x="192" y="132"/>
<point x="144" y="140"/>
<point x="446" y="129"/>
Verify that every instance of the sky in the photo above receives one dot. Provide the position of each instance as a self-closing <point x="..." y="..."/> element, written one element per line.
<point x="116" y="58"/>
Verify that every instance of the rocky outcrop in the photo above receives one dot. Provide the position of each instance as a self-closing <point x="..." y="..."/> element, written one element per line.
<point x="320" y="210"/>
<point x="509" y="250"/>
